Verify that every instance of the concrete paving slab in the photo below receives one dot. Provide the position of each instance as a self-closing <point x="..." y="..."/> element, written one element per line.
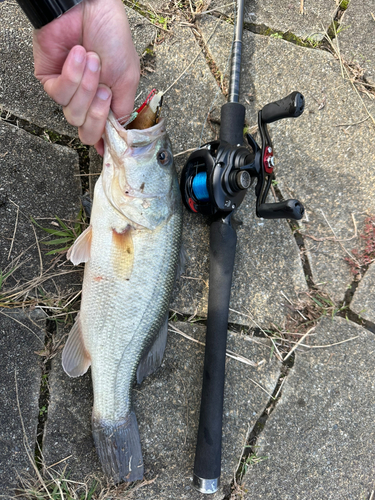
<point x="38" y="180"/>
<point x="168" y="432"/>
<point x="319" y="441"/>
<point x="21" y="335"/>
<point x="356" y="36"/>
<point x="328" y="167"/>
<point x="20" y="92"/>
<point x="363" y="302"/>
<point x="285" y="16"/>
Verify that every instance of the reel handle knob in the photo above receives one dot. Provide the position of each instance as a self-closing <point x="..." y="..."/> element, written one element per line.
<point x="288" y="209"/>
<point x="290" y="106"/>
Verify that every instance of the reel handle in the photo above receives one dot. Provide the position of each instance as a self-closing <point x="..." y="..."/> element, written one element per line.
<point x="207" y="465"/>
<point x="288" y="209"/>
<point x="290" y="106"/>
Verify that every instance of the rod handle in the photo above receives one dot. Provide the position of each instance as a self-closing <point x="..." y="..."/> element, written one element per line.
<point x="207" y="466"/>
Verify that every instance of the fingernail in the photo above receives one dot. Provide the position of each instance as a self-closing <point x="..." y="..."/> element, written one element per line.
<point x="93" y="63"/>
<point x="103" y="93"/>
<point x="79" y="56"/>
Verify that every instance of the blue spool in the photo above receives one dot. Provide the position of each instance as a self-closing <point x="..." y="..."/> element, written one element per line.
<point x="199" y="186"/>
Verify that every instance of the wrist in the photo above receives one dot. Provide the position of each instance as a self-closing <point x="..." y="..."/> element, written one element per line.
<point x="42" y="12"/>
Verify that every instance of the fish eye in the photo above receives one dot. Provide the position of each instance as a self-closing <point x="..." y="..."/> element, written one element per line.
<point x="164" y="157"/>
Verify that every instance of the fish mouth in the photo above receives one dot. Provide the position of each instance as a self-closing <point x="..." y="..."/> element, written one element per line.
<point x="135" y="138"/>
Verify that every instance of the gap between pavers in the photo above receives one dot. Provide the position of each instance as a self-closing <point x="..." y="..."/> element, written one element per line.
<point x="21" y="337"/>
<point x="167" y="408"/>
<point x="319" y="441"/>
<point x="318" y="161"/>
<point x="363" y="302"/>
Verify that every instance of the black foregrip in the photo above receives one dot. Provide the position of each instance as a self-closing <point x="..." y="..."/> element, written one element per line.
<point x="288" y="209"/>
<point x="232" y="123"/>
<point x="223" y="240"/>
<point x="42" y="12"/>
<point x="291" y="106"/>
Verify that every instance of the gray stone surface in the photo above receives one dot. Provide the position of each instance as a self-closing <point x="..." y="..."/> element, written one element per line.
<point x="356" y="37"/>
<point x="21" y="335"/>
<point x="317" y="157"/>
<point x="167" y="408"/>
<point x="363" y="302"/>
<point x="20" y="92"/>
<point x="286" y="16"/>
<point x="319" y="441"/>
<point x="37" y="180"/>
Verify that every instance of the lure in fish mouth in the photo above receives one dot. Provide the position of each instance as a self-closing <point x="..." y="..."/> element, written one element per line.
<point x="131" y="250"/>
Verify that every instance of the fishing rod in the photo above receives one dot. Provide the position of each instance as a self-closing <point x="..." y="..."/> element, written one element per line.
<point x="214" y="182"/>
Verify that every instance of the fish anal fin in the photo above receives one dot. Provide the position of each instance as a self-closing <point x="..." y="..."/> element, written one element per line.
<point x="75" y="358"/>
<point x="119" y="447"/>
<point x="152" y="358"/>
<point x="81" y="249"/>
<point x="123" y="253"/>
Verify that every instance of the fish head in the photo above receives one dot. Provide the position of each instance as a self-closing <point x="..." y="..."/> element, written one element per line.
<point x="139" y="177"/>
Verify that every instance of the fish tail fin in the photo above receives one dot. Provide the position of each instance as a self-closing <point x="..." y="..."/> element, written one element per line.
<point x="119" y="448"/>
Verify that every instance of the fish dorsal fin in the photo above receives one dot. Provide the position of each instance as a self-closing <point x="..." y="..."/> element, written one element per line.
<point x="75" y="358"/>
<point x="151" y="359"/>
<point x="80" y="251"/>
<point x="123" y="253"/>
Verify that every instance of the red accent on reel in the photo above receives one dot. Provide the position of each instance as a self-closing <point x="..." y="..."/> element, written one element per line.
<point x="192" y="205"/>
<point x="268" y="160"/>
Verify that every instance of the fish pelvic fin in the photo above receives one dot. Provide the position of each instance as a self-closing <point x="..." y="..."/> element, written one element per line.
<point x="119" y="448"/>
<point x="152" y="358"/>
<point x="75" y="358"/>
<point x="81" y="248"/>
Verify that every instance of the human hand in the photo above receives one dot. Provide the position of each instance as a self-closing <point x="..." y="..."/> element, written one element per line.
<point x="87" y="62"/>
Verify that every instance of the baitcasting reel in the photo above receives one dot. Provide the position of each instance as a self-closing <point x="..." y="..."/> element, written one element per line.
<point x="217" y="176"/>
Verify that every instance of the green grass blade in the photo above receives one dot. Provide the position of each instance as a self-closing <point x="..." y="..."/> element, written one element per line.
<point x="57" y="242"/>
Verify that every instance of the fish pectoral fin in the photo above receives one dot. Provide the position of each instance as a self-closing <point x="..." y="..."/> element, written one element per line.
<point x="81" y="249"/>
<point x="75" y="358"/>
<point x="151" y="359"/>
<point x="123" y="253"/>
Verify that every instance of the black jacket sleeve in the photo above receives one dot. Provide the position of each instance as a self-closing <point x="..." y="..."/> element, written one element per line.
<point x="42" y="12"/>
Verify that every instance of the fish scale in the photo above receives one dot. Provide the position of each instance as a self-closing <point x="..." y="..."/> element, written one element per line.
<point x="131" y="251"/>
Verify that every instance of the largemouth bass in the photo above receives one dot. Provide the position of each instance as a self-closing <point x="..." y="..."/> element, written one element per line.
<point x="131" y="250"/>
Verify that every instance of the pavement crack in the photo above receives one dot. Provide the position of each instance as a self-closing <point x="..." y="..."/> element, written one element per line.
<point x="250" y="451"/>
<point x="221" y="79"/>
<point x="356" y="318"/>
<point x="44" y="393"/>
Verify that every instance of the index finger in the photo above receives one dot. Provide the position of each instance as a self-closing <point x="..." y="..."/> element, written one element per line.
<point x="62" y="87"/>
